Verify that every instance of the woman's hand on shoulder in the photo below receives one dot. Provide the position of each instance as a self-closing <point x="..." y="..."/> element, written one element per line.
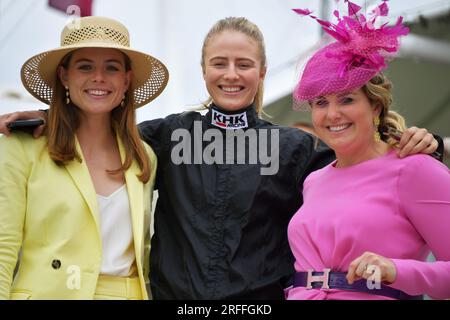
<point x="23" y="115"/>
<point x="416" y="140"/>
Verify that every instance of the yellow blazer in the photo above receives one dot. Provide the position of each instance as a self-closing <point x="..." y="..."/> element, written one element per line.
<point x="51" y="213"/>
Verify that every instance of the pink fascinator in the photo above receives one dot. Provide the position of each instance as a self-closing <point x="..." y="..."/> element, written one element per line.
<point x="360" y="52"/>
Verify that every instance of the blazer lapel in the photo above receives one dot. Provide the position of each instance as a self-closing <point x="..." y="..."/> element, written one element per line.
<point x="79" y="173"/>
<point x="135" y="195"/>
<point x="82" y="179"/>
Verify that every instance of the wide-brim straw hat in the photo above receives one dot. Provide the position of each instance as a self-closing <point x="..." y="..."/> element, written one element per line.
<point x="150" y="76"/>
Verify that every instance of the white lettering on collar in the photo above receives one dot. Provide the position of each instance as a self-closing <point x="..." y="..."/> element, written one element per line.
<point x="229" y="121"/>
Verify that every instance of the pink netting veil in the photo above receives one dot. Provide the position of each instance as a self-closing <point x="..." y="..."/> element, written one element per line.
<point x="360" y="52"/>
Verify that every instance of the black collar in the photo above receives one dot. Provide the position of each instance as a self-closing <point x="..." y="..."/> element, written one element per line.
<point x="238" y="119"/>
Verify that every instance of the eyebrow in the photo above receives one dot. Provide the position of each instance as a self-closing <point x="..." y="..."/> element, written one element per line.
<point x="225" y="58"/>
<point x="90" y="61"/>
<point x="218" y="57"/>
<point x="340" y="95"/>
<point x="246" y="59"/>
<point x="344" y="94"/>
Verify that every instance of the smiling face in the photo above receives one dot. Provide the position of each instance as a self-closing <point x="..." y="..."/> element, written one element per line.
<point x="97" y="79"/>
<point x="232" y="70"/>
<point x="345" y="121"/>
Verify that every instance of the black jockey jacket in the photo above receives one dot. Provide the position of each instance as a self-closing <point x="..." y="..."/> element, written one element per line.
<point x="221" y="228"/>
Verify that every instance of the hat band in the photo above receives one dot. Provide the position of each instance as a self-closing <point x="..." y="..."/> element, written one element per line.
<point x="97" y="33"/>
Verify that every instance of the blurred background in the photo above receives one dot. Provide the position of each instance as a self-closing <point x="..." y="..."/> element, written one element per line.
<point x="173" y="31"/>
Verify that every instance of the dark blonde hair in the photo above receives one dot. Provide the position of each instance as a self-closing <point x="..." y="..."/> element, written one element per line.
<point x="240" y="24"/>
<point x="379" y="92"/>
<point x="64" y="120"/>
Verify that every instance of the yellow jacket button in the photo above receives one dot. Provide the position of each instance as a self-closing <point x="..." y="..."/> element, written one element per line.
<point x="56" y="264"/>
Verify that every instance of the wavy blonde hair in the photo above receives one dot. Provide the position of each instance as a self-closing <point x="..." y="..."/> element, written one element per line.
<point x="379" y="92"/>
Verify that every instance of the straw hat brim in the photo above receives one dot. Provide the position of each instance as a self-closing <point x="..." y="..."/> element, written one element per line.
<point x="150" y="76"/>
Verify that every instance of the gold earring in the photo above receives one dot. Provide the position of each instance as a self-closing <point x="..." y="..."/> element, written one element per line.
<point x="67" y="95"/>
<point x="122" y="103"/>
<point x="376" y="122"/>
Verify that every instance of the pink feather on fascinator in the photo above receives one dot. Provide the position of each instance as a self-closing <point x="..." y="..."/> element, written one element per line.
<point x="358" y="54"/>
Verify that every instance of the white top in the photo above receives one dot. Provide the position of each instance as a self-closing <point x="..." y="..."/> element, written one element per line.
<point x="117" y="234"/>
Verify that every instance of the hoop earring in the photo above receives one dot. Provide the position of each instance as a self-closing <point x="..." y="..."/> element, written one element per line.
<point x="67" y="95"/>
<point x="376" y="122"/>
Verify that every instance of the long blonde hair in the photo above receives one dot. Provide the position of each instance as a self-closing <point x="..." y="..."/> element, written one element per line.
<point x="64" y="120"/>
<point x="379" y="91"/>
<point x="240" y="24"/>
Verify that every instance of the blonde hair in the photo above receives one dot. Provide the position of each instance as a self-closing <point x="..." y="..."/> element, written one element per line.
<point x="240" y="24"/>
<point x="379" y="92"/>
<point x="64" y="120"/>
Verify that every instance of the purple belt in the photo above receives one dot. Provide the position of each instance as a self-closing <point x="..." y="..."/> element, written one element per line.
<point x="337" y="280"/>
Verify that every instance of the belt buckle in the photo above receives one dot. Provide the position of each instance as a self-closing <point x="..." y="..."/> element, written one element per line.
<point x="324" y="279"/>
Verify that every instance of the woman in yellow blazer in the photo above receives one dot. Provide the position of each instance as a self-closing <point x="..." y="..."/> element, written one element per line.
<point x="76" y="203"/>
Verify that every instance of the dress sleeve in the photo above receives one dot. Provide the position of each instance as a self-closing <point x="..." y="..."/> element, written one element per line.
<point x="14" y="171"/>
<point x="152" y="133"/>
<point x="424" y="191"/>
<point x="156" y="133"/>
<point x="440" y="149"/>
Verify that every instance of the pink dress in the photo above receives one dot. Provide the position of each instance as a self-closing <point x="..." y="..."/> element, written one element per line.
<point x="397" y="208"/>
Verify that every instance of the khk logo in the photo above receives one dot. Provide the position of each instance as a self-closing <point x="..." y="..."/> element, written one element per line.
<point x="231" y="121"/>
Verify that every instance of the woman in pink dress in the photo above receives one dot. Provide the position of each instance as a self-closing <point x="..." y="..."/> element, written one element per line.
<point x="369" y="219"/>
